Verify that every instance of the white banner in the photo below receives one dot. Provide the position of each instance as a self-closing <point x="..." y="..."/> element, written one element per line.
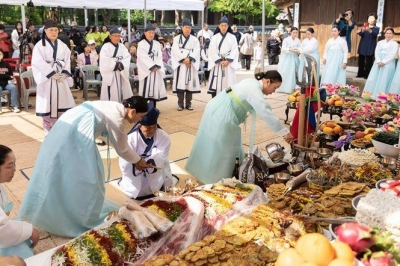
<point x="379" y="12"/>
<point x="296" y="15"/>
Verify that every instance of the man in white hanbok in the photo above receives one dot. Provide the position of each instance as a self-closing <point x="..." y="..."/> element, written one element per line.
<point x="151" y="67"/>
<point x="153" y="144"/>
<point x="114" y="69"/>
<point x="185" y="55"/>
<point x="51" y="68"/>
<point x="223" y="56"/>
<point x="335" y="59"/>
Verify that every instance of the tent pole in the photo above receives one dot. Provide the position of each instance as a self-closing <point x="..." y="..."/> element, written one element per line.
<point x="86" y="16"/>
<point x="96" y="18"/>
<point x="262" y="35"/>
<point x="129" y="26"/>
<point x="144" y="15"/>
<point x="23" y="18"/>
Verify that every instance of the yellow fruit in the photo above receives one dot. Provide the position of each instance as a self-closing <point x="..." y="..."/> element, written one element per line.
<point x="343" y="251"/>
<point x="289" y="257"/>
<point x="308" y="264"/>
<point x="368" y="137"/>
<point x="322" y="126"/>
<point x="315" y="248"/>
<point x="338" y="103"/>
<point x="341" y="262"/>
<point x="327" y="130"/>
<point x="291" y="98"/>
<point x="331" y="102"/>
<point x="369" y="131"/>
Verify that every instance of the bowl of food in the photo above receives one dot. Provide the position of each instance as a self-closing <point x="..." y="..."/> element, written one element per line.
<point x="312" y="155"/>
<point x="356" y="200"/>
<point x="390" y="163"/>
<point x="282" y="177"/>
<point x="295" y="169"/>
<point x="378" y="184"/>
<point x="385" y="150"/>
<point x="324" y="152"/>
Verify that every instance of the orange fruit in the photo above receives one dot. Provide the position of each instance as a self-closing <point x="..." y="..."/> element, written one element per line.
<point x="338" y="103"/>
<point x="343" y="251"/>
<point x="331" y="102"/>
<point x="315" y="248"/>
<point x="322" y="126"/>
<point x="289" y="257"/>
<point x="308" y="264"/>
<point x="341" y="262"/>
<point x="330" y="124"/>
<point x="337" y="130"/>
<point x="327" y="130"/>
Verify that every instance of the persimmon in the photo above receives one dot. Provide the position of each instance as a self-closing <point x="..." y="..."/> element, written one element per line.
<point x="341" y="262"/>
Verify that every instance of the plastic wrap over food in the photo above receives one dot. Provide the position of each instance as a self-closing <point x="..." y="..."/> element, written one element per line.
<point x="184" y="232"/>
<point x="240" y="208"/>
<point x="141" y="225"/>
<point x="159" y="222"/>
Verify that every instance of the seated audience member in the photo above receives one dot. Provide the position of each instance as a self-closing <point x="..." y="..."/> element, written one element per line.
<point x="16" y="237"/>
<point x="86" y="58"/>
<point x="93" y="48"/>
<point x="7" y="82"/>
<point x="152" y="144"/>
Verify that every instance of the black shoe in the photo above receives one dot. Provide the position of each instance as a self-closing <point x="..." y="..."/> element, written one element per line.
<point x="359" y="76"/>
<point x="189" y="107"/>
<point x="100" y="142"/>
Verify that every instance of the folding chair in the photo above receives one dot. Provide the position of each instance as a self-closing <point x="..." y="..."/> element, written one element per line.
<point x="89" y="78"/>
<point x="28" y="86"/>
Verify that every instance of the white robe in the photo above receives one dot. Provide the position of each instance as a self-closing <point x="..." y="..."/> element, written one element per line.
<point x="222" y="77"/>
<point x="12" y="232"/>
<point x="116" y="86"/>
<point x="52" y="96"/>
<point x="151" y="84"/>
<point x="137" y="183"/>
<point x="186" y="78"/>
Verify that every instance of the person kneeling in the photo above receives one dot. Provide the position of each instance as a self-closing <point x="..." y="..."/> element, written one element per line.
<point x="152" y="144"/>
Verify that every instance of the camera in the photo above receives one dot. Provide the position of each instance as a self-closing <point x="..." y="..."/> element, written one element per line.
<point x="344" y="14"/>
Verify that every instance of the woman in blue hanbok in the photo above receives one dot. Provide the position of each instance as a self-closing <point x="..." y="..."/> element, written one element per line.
<point x="289" y="60"/>
<point x="395" y="85"/>
<point x="66" y="193"/>
<point x="382" y="71"/>
<point x="16" y="237"/>
<point x="219" y="138"/>
<point x="309" y="46"/>
<point x="335" y="59"/>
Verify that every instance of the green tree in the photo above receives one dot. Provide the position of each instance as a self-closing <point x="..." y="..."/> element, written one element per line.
<point x="137" y="16"/>
<point x="245" y="9"/>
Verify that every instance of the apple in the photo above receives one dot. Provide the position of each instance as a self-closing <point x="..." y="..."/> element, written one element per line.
<point x="359" y="135"/>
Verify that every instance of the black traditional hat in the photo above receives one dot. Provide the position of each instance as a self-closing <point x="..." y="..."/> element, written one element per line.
<point x="186" y="22"/>
<point x="115" y="30"/>
<point x="50" y="24"/>
<point x="150" y="118"/>
<point x="224" y="19"/>
<point x="149" y="27"/>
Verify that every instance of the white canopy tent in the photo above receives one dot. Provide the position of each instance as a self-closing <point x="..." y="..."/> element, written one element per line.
<point x="195" y="5"/>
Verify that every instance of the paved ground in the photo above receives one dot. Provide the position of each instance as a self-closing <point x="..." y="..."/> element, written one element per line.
<point x="23" y="133"/>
